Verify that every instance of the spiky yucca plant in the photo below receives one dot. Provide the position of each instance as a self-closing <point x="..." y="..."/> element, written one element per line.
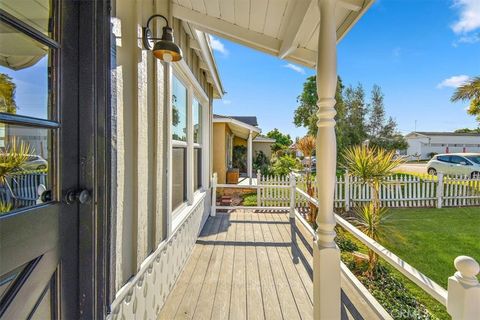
<point x="5" y="207"/>
<point x="372" y="165"/>
<point x="307" y="145"/>
<point x="373" y="224"/>
<point x="12" y="157"/>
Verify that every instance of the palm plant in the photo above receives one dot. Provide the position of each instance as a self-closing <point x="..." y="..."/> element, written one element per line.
<point x="307" y="145"/>
<point x="12" y="157"/>
<point x="373" y="224"/>
<point x="372" y="165"/>
<point x="469" y="91"/>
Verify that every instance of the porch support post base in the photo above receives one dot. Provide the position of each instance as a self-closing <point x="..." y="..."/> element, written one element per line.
<point x="326" y="282"/>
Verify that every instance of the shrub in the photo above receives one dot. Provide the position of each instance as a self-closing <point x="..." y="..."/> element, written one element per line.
<point x="285" y="164"/>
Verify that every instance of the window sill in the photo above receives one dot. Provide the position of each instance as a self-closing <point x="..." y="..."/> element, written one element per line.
<point x="184" y="211"/>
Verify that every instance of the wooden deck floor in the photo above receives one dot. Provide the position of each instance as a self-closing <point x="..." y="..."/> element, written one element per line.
<point x="248" y="265"/>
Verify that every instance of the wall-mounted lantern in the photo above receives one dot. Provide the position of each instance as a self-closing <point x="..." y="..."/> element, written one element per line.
<point x="163" y="48"/>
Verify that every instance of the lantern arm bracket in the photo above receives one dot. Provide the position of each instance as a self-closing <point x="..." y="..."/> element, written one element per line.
<point x="147" y="32"/>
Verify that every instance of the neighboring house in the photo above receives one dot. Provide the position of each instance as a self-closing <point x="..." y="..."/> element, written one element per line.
<point x="263" y="144"/>
<point x="423" y="144"/>
<point x="228" y="132"/>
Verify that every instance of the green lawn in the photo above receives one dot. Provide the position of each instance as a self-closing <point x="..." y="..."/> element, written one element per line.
<point x="430" y="239"/>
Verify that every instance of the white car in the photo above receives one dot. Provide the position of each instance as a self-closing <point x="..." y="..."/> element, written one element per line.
<point x="35" y="162"/>
<point x="455" y="163"/>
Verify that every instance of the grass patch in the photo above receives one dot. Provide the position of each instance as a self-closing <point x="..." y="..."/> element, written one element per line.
<point x="249" y="199"/>
<point x="430" y="239"/>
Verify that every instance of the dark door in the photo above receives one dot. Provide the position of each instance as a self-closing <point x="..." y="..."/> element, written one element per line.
<point x="39" y="159"/>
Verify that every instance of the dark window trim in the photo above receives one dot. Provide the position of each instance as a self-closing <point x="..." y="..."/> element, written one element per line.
<point x="27" y="29"/>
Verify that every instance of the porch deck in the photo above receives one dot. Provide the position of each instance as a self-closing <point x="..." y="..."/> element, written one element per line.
<point x="248" y="265"/>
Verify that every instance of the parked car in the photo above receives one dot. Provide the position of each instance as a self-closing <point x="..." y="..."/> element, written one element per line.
<point x="35" y="162"/>
<point x="455" y="163"/>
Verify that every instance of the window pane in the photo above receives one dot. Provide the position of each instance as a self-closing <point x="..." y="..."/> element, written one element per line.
<point x="197" y="168"/>
<point x="178" y="177"/>
<point x="25" y="75"/>
<point x="35" y="13"/>
<point x="197" y="122"/>
<point x="25" y="158"/>
<point x="179" y="111"/>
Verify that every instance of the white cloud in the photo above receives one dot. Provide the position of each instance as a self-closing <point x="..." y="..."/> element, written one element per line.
<point x="217" y="45"/>
<point x="225" y="101"/>
<point x="295" y="68"/>
<point x="469" y="19"/>
<point x="453" y="82"/>
<point x="474" y="38"/>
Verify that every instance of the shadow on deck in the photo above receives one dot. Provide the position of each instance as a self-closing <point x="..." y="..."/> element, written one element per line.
<point x="248" y="265"/>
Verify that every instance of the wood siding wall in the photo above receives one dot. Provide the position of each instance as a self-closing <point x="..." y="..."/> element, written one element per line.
<point x="140" y="88"/>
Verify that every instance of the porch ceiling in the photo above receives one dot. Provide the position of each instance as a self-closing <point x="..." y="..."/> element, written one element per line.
<point x="284" y="28"/>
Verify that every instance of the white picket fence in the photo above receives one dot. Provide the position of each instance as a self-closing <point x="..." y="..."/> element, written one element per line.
<point x="395" y="192"/>
<point x="20" y="189"/>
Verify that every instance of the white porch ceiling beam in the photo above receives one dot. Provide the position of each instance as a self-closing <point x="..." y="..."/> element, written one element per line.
<point x="227" y="30"/>
<point x="291" y="37"/>
<point x="352" y="5"/>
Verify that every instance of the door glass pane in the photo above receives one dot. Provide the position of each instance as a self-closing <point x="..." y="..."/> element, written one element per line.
<point x="25" y="74"/>
<point x="179" y="111"/>
<point x="35" y="13"/>
<point x="25" y="160"/>
<point x="197" y="121"/>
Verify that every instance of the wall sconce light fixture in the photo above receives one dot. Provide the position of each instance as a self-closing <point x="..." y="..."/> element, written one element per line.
<point x="163" y="48"/>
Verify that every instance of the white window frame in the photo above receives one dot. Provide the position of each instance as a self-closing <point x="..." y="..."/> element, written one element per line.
<point x="183" y="73"/>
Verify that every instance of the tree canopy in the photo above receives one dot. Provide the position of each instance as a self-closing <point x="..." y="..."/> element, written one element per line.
<point x="470" y="91"/>
<point x="282" y="141"/>
<point x="356" y="120"/>
<point x="7" y="94"/>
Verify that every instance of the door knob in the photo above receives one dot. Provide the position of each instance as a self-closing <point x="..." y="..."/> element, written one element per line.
<point x="80" y="196"/>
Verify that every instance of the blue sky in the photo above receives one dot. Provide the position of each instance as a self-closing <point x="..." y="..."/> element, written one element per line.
<point x="418" y="51"/>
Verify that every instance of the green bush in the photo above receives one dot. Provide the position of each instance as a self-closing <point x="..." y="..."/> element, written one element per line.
<point x="285" y="164"/>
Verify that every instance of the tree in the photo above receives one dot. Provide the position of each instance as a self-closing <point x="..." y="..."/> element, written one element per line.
<point x="282" y="141"/>
<point x="356" y="132"/>
<point x="372" y="165"/>
<point x="377" y="112"/>
<point x="307" y="145"/>
<point x="306" y="113"/>
<point x="285" y="164"/>
<point x="7" y="94"/>
<point x="382" y="133"/>
<point x="470" y="91"/>
<point x="467" y="130"/>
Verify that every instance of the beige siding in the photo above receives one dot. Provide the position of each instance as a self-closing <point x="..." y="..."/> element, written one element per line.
<point x="140" y="88"/>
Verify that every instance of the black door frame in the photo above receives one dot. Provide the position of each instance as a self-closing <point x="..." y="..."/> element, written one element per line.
<point x="94" y="67"/>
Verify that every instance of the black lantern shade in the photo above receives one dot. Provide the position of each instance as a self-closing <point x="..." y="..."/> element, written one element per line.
<point x="165" y="48"/>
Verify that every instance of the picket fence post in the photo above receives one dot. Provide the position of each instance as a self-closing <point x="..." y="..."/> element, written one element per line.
<point x="440" y="190"/>
<point x="259" y="182"/>
<point x="214" y="195"/>
<point x="464" y="290"/>
<point x="347" y="191"/>
<point x="293" y="190"/>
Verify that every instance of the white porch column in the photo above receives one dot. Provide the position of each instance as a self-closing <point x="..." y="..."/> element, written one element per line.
<point x="326" y="255"/>
<point x="249" y="158"/>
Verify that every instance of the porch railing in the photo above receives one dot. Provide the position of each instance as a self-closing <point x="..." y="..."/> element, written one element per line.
<point x="462" y="297"/>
